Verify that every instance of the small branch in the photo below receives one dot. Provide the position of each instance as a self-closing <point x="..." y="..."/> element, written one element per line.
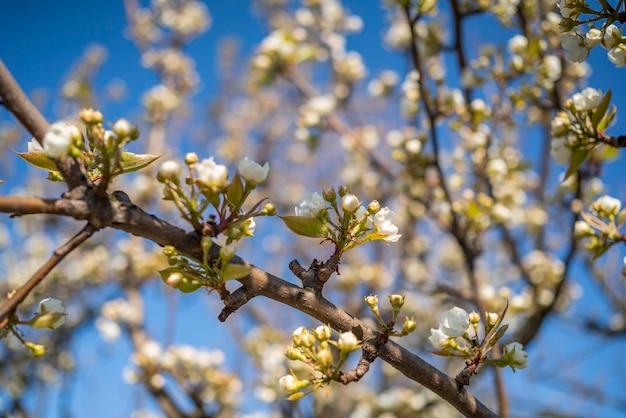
<point x="58" y="255"/>
<point x="369" y="353"/>
<point x="14" y="99"/>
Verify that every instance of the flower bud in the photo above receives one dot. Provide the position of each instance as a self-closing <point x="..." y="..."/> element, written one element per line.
<point x="409" y="325"/>
<point x="325" y="357"/>
<point x="169" y="250"/>
<point x="169" y="170"/>
<point x="289" y="383"/>
<point x="350" y="203"/>
<point x="268" y="210"/>
<point x="371" y="301"/>
<point x="123" y="128"/>
<point x="347" y="342"/>
<point x="396" y="301"/>
<point x="474" y="318"/>
<point x="38" y="350"/>
<point x="329" y="195"/>
<point x="294" y="354"/>
<point x="343" y="190"/>
<point x="323" y="332"/>
<point x="373" y="207"/>
<point x="298" y="335"/>
<point x="191" y="158"/>
<point x="174" y="279"/>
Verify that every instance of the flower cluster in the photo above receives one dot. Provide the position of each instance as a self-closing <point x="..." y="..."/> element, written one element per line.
<point x="103" y="153"/>
<point x="313" y="347"/>
<point x="601" y="225"/>
<point x="208" y="184"/>
<point x="396" y="301"/>
<point x="579" y="130"/>
<point x="457" y="323"/>
<point x="354" y="225"/>
<point x="315" y="32"/>
<point x="195" y="370"/>
<point x="577" y="45"/>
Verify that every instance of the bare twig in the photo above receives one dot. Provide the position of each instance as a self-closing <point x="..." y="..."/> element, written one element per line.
<point x="58" y="255"/>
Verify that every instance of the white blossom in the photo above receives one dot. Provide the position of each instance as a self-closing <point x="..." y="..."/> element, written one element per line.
<point x="617" y="55"/>
<point x="311" y="206"/>
<point x="58" y="138"/>
<point x="438" y="338"/>
<point x="612" y="36"/>
<point x="211" y="174"/>
<point x="566" y="11"/>
<point x="516" y="355"/>
<point x="607" y="205"/>
<point x="593" y="37"/>
<point x="560" y="151"/>
<point x="252" y="171"/>
<point x="575" y="47"/>
<point x="587" y="99"/>
<point x="454" y="322"/>
<point x="34" y="145"/>
<point x="383" y="223"/>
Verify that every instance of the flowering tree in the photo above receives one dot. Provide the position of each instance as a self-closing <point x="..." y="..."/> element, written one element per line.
<point x="432" y="232"/>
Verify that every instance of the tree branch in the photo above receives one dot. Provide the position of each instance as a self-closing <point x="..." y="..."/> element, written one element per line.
<point x="14" y="99"/>
<point x="58" y="255"/>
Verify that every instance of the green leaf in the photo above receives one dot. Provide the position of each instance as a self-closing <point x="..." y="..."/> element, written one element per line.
<point x="598" y="114"/>
<point x="579" y="157"/>
<point x="132" y="162"/>
<point x="599" y="251"/>
<point x="39" y="159"/>
<point x="235" y="271"/>
<point x="499" y="334"/>
<point x="186" y="284"/>
<point x="606" y="120"/>
<point x="235" y="190"/>
<point x="306" y="226"/>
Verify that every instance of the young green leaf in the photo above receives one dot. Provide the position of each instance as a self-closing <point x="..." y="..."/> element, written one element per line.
<point x="235" y="190"/>
<point x="39" y="159"/>
<point x="578" y="158"/>
<point x="133" y="162"/>
<point x="235" y="271"/>
<point x="306" y="226"/>
<point x="599" y="112"/>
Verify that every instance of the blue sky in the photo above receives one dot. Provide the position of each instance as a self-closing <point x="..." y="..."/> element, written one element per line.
<point x="41" y="41"/>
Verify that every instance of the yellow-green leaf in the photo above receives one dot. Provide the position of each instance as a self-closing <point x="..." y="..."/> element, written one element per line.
<point x="235" y="271"/>
<point x="306" y="226"/>
<point x="578" y="158"/>
<point x="133" y="162"/>
<point x="599" y="112"/>
<point x="39" y="159"/>
<point x="235" y="190"/>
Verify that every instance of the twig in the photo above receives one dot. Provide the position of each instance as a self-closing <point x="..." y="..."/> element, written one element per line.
<point x="58" y="255"/>
<point x="14" y="99"/>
